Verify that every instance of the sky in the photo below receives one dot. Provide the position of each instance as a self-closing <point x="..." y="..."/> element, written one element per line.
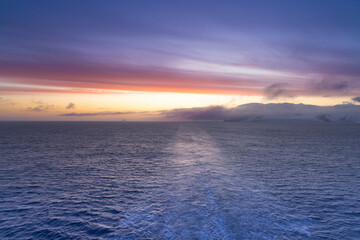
<point x="115" y="60"/>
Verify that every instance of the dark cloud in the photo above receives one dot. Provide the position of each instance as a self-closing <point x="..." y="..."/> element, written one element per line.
<point x="70" y="106"/>
<point x="36" y="109"/>
<point x="324" y="117"/>
<point x="331" y="85"/>
<point x="277" y="90"/>
<point x="356" y="99"/>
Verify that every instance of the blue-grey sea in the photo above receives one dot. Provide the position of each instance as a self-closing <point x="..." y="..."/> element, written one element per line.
<point x="179" y="180"/>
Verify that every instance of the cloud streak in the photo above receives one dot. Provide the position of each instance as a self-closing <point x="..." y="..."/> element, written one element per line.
<point x="74" y="114"/>
<point x="201" y="113"/>
<point x="141" y="78"/>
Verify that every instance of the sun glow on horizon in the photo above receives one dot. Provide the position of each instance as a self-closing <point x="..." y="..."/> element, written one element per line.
<point x="134" y="105"/>
<point x="123" y="59"/>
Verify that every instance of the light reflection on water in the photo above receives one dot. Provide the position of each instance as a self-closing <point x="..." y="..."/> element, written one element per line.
<point x="179" y="181"/>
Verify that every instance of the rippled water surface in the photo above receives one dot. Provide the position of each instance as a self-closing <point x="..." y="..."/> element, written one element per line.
<point x="206" y="180"/>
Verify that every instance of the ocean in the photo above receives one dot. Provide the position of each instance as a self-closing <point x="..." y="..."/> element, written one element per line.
<point x="179" y="180"/>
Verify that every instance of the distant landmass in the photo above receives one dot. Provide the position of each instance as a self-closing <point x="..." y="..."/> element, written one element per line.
<point x="255" y="112"/>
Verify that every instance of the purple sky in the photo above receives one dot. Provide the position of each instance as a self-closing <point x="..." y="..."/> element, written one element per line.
<point x="307" y="47"/>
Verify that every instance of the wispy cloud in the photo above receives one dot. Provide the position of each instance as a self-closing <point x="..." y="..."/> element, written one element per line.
<point x="6" y="101"/>
<point x="277" y="90"/>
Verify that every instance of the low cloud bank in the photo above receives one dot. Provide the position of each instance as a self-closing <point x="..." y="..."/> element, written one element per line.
<point x="269" y="112"/>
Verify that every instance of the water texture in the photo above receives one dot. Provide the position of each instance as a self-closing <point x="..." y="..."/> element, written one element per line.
<point x="190" y="180"/>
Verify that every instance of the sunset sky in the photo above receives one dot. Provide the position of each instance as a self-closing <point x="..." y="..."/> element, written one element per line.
<point x="114" y="60"/>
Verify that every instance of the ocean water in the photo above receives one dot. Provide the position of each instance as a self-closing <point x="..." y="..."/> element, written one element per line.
<point x="191" y="180"/>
